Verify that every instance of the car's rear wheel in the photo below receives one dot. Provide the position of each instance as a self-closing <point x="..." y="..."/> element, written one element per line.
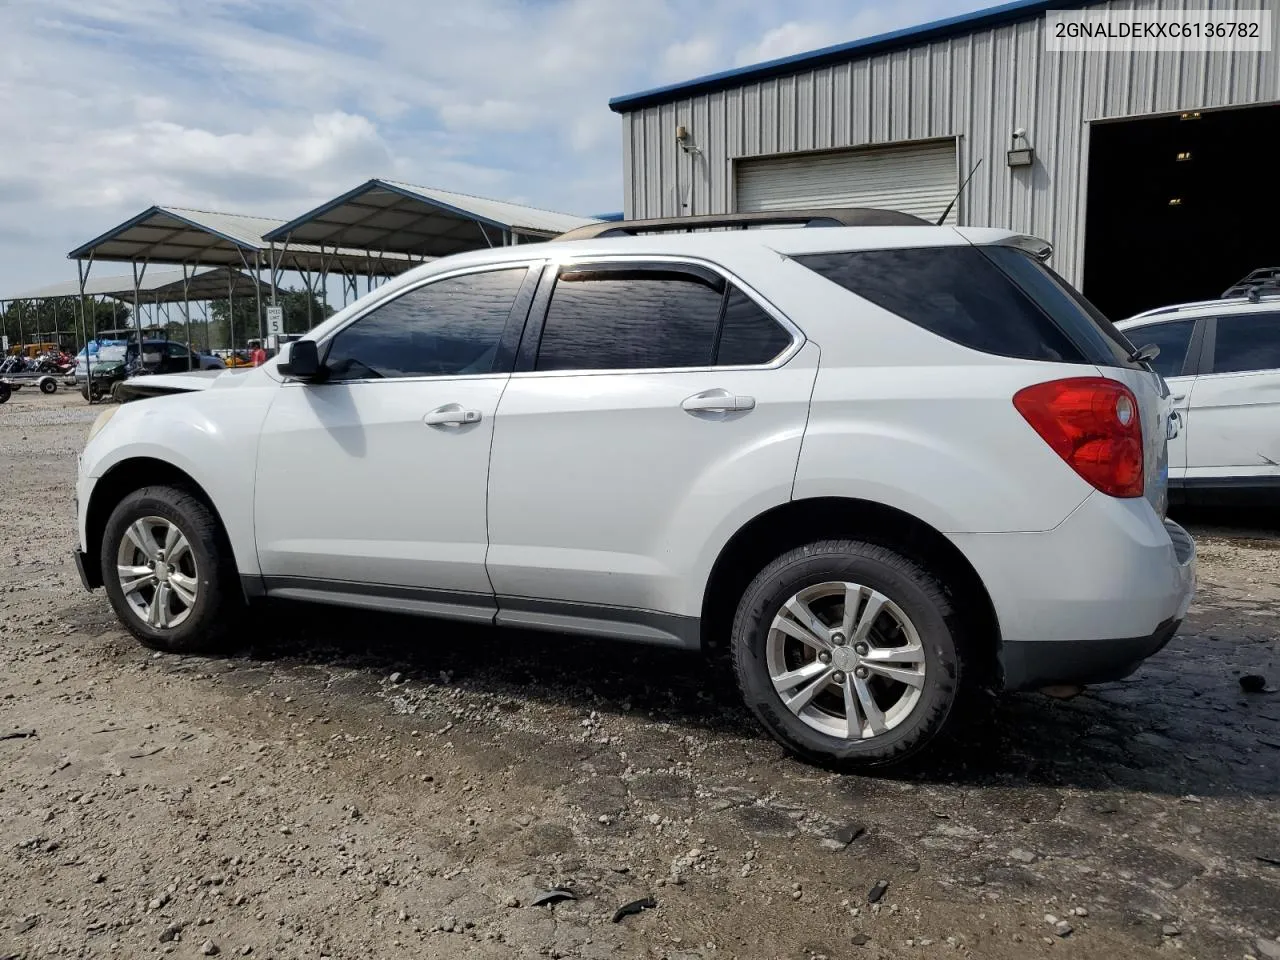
<point x="848" y="653"/>
<point x="5" y="392"/>
<point x="167" y="571"/>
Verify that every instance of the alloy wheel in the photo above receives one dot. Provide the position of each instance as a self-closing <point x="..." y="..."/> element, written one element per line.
<point x="846" y="660"/>
<point x="157" y="571"/>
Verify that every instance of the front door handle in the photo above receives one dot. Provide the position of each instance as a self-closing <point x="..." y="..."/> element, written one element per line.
<point x="451" y="414"/>
<point x="717" y="401"/>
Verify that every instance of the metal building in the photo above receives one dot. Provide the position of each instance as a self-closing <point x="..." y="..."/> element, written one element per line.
<point x="1151" y="172"/>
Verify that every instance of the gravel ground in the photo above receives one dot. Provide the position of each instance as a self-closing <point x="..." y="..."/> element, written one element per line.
<point x="349" y="785"/>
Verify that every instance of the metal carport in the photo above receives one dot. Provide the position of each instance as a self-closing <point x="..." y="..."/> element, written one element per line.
<point x="202" y="238"/>
<point x="390" y="218"/>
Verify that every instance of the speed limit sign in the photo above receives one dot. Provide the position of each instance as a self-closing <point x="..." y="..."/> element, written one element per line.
<point x="275" y="321"/>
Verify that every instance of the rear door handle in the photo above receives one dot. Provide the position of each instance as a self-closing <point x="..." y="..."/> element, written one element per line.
<point x="717" y="400"/>
<point x="451" y="414"/>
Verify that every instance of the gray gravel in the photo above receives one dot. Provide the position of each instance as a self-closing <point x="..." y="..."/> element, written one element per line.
<point x="292" y="800"/>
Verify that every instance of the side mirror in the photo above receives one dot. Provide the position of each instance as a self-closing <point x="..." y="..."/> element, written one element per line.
<point x="302" y="362"/>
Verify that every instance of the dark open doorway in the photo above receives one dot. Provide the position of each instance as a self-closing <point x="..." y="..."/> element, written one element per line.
<point x="1180" y="207"/>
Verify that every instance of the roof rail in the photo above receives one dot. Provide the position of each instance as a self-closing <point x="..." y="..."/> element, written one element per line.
<point x="1266" y="295"/>
<point x="817" y="217"/>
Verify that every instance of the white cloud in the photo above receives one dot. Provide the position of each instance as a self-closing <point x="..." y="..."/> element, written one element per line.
<point x="107" y="106"/>
<point x="789" y="38"/>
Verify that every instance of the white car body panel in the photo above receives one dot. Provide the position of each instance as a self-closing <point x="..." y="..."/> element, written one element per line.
<point x="604" y="490"/>
<point x="354" y="486"/>
<point x="1235" y="424"/>
<point x="211" y="435"/>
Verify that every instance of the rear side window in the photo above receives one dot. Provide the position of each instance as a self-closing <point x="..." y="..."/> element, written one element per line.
<point x="630" y="320"/>
<point x="1173" y="339"/>
<point x="1247" y="341"/>
<point x="647" y="318"/>
<point x="964" y="295"/>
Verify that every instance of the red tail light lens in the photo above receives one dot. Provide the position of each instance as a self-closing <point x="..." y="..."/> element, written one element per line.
<point x="1092" y="423"/>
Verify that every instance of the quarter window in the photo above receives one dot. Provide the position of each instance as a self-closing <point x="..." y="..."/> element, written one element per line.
<point x="1172" y="338"/>
<point x="748" y="336"/>
<point x="448" y="328"/>
<point x="1247" y="341"/>
<point x="954" y="292"/>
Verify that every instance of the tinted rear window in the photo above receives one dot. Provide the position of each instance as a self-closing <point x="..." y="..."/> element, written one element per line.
<point x="1080" y="320"/>
<point x="970" y="298"/>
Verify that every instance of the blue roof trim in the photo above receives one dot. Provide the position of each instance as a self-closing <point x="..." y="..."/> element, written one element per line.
<point x="608" y="217"/>
<point x="281" y="233"/>
<point x="840" y="53"/>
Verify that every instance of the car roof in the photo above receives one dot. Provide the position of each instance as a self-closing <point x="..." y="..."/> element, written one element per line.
<point x="1201" y="308"/>
<point x="785" y="240"/>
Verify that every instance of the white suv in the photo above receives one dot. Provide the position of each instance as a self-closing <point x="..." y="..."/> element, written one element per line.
<point x="884" y="464"/>
<point x="1221" y="359"/>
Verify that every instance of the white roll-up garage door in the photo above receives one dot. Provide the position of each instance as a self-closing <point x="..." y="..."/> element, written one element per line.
<point x="917" y="178"/>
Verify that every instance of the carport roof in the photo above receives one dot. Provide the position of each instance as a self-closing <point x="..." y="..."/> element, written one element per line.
<point x="156" y="286"/>
<point x="183" y="235"/>
<point x="401" y="218"/>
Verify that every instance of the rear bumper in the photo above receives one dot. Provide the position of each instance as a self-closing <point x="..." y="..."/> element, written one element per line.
<point x="1089" y="600"/>
<point x="1033" y="664"/>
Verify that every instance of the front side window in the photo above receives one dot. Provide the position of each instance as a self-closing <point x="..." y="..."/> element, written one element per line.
<point x="448" y="328"/>
<point x="1247" y="341"/>
<point x="646" y="318"/>
<point x="1172" y="338"/>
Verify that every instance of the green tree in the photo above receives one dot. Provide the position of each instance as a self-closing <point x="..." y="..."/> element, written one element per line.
<point x="48" y="321"/>
<point x="247" y="325"/>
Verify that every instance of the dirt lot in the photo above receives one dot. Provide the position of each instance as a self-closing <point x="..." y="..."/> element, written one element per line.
<point x="345" y="785"/>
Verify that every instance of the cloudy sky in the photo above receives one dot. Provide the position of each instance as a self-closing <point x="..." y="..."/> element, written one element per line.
<point x="271" y="106"/>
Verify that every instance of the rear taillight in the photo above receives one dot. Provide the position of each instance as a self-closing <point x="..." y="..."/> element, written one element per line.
<point x="1092" y="423"/>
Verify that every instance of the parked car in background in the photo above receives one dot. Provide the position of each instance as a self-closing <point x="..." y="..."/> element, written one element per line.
<point x="114" y="361"/>
<point x="1221" y="359"/>
<point x="885" y="465"/>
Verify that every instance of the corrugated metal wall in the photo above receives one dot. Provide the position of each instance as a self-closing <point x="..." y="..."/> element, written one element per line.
<point x="978" y="87"/>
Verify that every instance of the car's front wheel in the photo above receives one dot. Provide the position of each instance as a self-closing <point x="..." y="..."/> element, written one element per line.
<point x="166" y="571"/>
<point x="849" y="653"/>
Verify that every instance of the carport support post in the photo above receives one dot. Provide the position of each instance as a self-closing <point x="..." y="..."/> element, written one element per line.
<point x="82" y="271"/>
<point x="186" y="309"/>
<point x="137" y="310"/>
<point x="271" y="265"/>
<point x="257" y="297"/>
<point x="231" y="314"/>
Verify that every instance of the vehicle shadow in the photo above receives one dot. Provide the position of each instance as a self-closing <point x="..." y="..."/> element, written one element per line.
<point x="1160" y="732"/>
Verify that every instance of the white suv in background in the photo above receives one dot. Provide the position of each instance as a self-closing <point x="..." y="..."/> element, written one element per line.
<point x="884" y="464"/>
<point x="1221" y="359"/>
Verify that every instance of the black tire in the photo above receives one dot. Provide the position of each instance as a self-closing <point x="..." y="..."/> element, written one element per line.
<point x="920" y="596"/>
<point x="218" y="599"/>
<point x="5" y="393"/>
<point x="49" y="386"/>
